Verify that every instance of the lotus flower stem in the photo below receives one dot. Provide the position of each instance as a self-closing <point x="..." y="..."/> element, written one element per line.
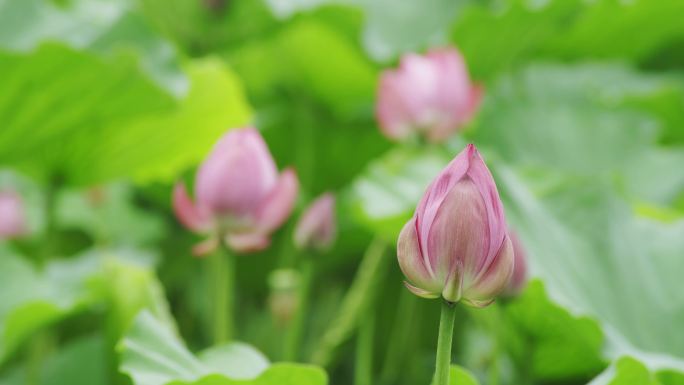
<point x="358" y="300"/>
<point x="363" y="364"/>
<point x="293" y="338"/>
<point x="222" y="286"/>
<point x="401" y="339"/>
<point x="446" y="332"/>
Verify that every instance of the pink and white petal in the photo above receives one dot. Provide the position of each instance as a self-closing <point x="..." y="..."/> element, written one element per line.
<point x="278" y="204"/>
<point x="458" y="235"/>
<point x="237" y="174"/>
<point x="420" y="292"/>
<point x="187" y="212"/>
<point x="247" y="242"/>
<point x="411" y="261"/>
<point x="205" y="247"/>
<point x="454" y="90"/>
<point x="474" y="101"/>
<point x="493" y="281"/>
<point x="391" y="108"/>
<point x="434" y="195"/>
<point x="476" y="303"/>
<point x="480" y="175"/>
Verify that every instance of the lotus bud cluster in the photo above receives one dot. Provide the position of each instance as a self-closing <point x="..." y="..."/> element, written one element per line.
<point x="456" y="245"/>
<point x="430" y="95"/>
<point x="239" y="195"/>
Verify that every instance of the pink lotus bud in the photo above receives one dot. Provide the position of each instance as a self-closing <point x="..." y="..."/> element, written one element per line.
<point x="519" y="276"/>
<point x="456" y="244"/>
<point x="12" y="216"/>
<point x="317" y="228"/>
<point x="431" y="95"/>
<point x="240" y="196"/>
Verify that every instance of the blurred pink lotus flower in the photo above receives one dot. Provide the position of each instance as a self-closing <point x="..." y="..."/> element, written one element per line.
<point x="12" y="215"/>
<point x="431" y="95"/>
<point x="239" y="195"/>
<point x="456" y="244"/>
<point x="519" y="276"/>
<point x="317" y="228"/>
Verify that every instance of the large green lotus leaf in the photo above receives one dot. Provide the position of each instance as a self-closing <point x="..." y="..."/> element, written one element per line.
<point x="79" y="362"/>
<point x="106" y="28"/>
<point x="342" y="79"/>
<point x="385" y="35"/>
<point x="556" y="344"/>
<point x="601" y="260"/>
<point x="496" y="36"/>
<point x="153" y="354"/>
<point x="629" y="371"/>
<point x="158" y="145"/>
<point x="122" y="126"/>
<point x="109" y="215"/>
<point x="29" y="299"/>
<point x="460" y="376"/>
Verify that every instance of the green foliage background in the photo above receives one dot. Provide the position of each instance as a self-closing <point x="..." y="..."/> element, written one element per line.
<point x="104" y="104"/>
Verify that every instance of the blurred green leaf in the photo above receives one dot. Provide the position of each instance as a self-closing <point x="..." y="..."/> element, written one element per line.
<point x="81" y="362"/>
<point x="561" y="346"/>
<point x="109" y="215"/>
<point x="342" y="79"/>
<point x="460" y="376"/>
<point x="152" y="354"/>
<point x="31" y="299"/>
<point x="497" y="36"/>
<point x="122" y="125"/>
<point x="106" y="28"/>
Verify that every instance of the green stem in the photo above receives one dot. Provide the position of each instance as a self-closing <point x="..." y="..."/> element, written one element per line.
<point x="358" y="300"/>
<point x="446" y="332"/>
<point x="294" y="336"/>
<point x="222" y="277"/>
<point x="400" y="337"/>
<point x="363" y="364"/>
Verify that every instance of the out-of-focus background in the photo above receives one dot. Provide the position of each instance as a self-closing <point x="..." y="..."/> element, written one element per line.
<point x="105" y="104"/>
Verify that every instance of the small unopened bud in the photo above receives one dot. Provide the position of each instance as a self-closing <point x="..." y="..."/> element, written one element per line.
<point x="317" y="227"/>
<point x="456" y="245"/>
<point x="12" y="215"/>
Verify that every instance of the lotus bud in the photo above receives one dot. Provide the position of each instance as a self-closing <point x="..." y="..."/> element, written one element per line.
<point x="430" y="95"/>
<point x="519" y="276"/>
<point x="240" y="197"/>
<point x="316" y="228"/>
<point x="12" y="215"/>
<point x="456" y="245"/>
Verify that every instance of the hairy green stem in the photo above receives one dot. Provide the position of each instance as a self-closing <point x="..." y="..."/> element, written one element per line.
<point x="446" y="332"/>
<point x="363" y="363"/>
<point x="222" y="277"/>
<point x="293" y="338"/>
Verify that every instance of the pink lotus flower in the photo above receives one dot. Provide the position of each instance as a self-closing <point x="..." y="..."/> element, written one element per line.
<point x="456" y="244"/>
<point x="239" y="195"/>
<point x="12" y="216"/>
<point x="431" y="95"/>
<point x="316" y="228"/>
<point x="519" y="276"/>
